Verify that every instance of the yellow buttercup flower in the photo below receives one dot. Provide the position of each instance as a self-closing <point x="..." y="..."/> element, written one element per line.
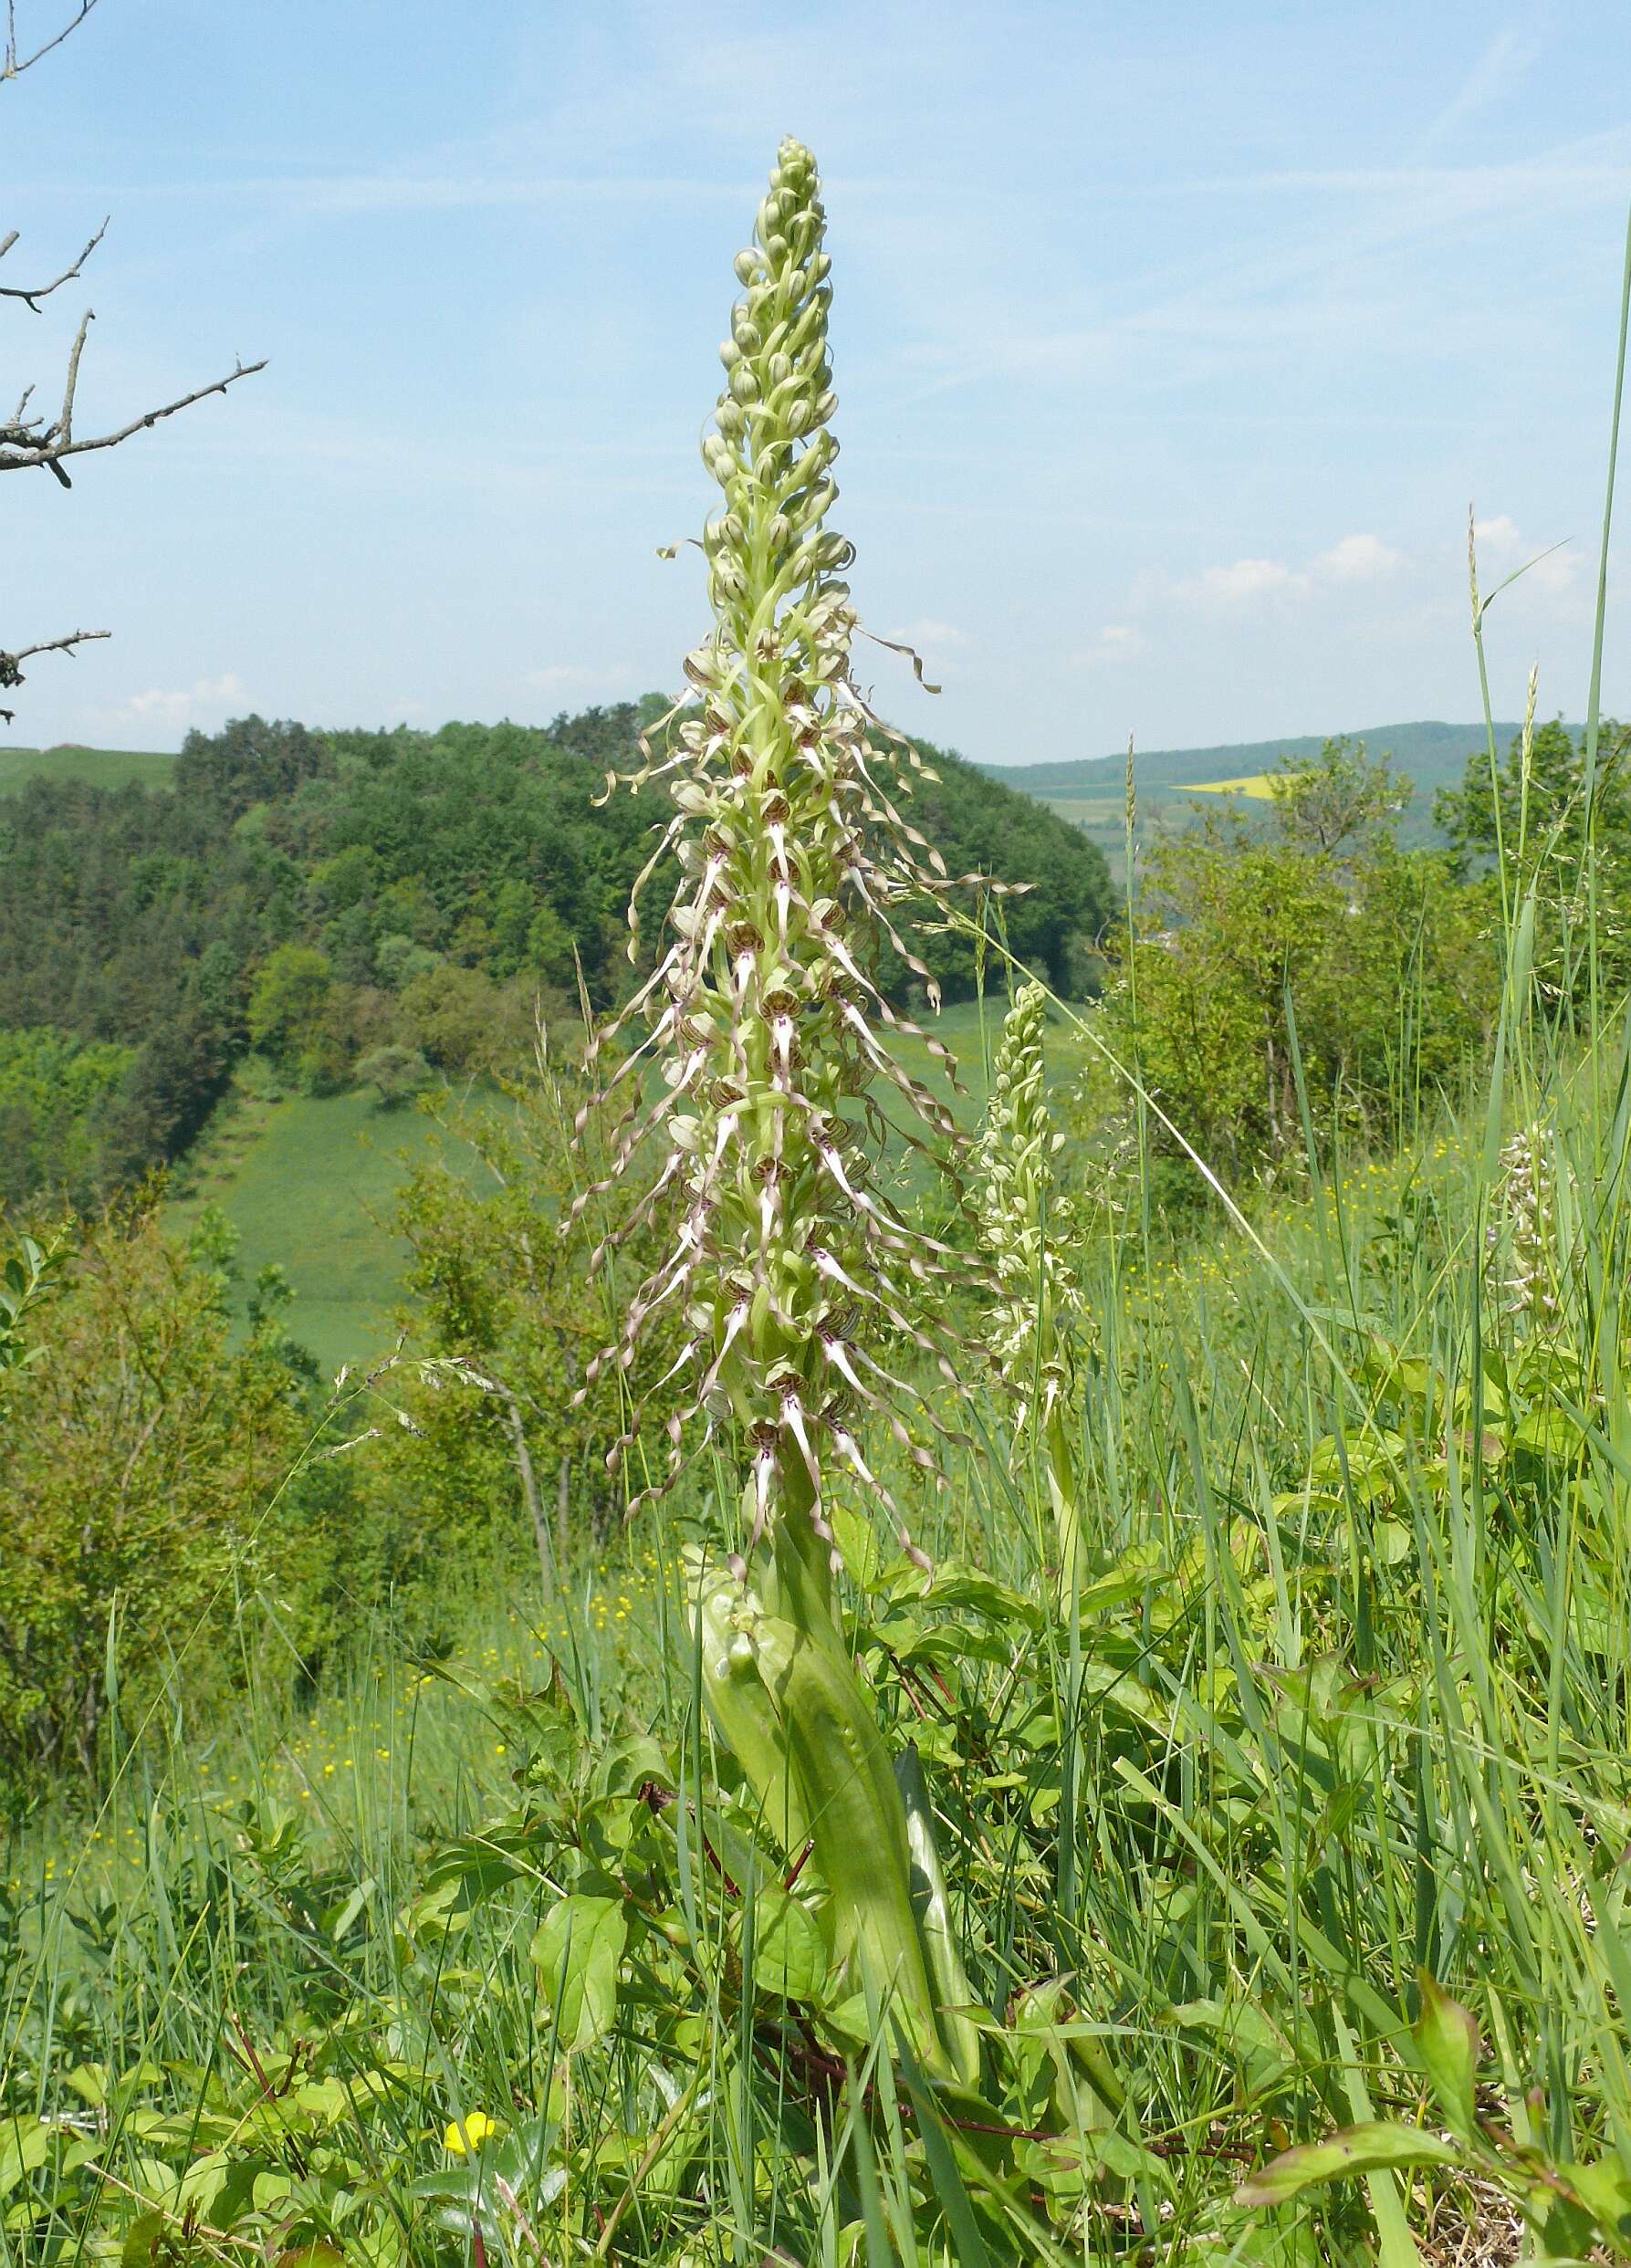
<point x="461" y="2139"/>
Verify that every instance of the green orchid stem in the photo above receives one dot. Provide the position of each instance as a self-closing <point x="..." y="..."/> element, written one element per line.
<point x="1062" y="1491"/>
<point x="784" y="1691"/>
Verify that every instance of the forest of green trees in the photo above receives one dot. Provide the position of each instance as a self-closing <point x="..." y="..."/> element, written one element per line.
<point x="385" y="906"/>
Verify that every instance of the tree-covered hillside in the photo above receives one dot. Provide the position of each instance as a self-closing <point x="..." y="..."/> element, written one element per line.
<point x="370" y="905"/>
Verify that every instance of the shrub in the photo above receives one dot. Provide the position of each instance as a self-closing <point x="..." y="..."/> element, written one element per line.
<point x="450" y="1014"/>
<point x="288" y="999"/>
<point x="137" y="1457"/>
<point x="399" y="1072"/>
<point x="57" y="1098"/>
<point x="1382" y="956"/>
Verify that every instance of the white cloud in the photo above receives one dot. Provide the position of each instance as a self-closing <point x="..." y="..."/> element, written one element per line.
<point x="204" y="702"/>
<point x="1246" y="579"/>
<point x="1252" y="582"/>
<point x="1115" y="641"/>
<point x="927" y="634"/>
<point x="1355" y="559"/>
<point x="1503" y="549"/>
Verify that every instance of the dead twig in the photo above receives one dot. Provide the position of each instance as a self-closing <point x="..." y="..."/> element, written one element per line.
<point x="15" y="65"/>
<point x="25" y="443"/>
<point x="32" y="294"/>
<point x="11" y="672"/>
<point x="8" y="662"/>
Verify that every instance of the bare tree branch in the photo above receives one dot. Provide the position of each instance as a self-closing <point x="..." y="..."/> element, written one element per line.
<point x="11" y="672"/>
<point x="27" y="442"/>
<point x="15" y="64"/>
<point x="8" y="662"/>
<point x="33" y="294"/>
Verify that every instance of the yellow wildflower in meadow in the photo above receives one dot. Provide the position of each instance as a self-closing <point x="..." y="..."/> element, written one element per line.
<point x="462" y="2136"/>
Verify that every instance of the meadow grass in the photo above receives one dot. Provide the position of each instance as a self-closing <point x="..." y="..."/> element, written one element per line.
<point x="98" y="767"/>
<point x="309" y="1184"/>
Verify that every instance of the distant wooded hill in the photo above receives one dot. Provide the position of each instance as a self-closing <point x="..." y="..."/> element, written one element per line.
<point x="1434" y="755"/>
<point x="1090" y="791"/>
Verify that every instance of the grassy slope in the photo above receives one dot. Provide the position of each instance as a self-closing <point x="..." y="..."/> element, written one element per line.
<point x="308" y="1184"/>
<point x="103" y="767"/>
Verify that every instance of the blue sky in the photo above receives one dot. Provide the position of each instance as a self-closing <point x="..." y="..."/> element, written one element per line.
<point x="1172" y="346"/>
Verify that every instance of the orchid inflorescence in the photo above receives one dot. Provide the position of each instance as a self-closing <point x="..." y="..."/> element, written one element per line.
<point x="1523" y="1232"/>
<point x="1025" y="1220"/>
<point x="765" y="1011"/>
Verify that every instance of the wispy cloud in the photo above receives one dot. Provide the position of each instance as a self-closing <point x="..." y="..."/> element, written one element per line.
<point x="1504" y="62"/>
<point x="206" y="701"/>
<point x="1295" y="282"/>
<point x="455" y="192"/>
<point x="1503" y="551"/>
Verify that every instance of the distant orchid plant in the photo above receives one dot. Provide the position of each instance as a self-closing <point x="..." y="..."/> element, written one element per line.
<point x="1026" y="1222"/>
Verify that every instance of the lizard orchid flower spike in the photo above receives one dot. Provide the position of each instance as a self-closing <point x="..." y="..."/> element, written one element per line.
<point x="762" y="1040"/>
<point x="770" y="1028"/>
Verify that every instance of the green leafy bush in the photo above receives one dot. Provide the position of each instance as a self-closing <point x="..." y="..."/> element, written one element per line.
<point x="1314" y="966"/>
<point x="58" y="1100"/>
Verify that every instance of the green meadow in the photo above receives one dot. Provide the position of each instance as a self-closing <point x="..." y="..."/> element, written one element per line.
<point x="98" y="767"/>
<point x="309" y="1184"/>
